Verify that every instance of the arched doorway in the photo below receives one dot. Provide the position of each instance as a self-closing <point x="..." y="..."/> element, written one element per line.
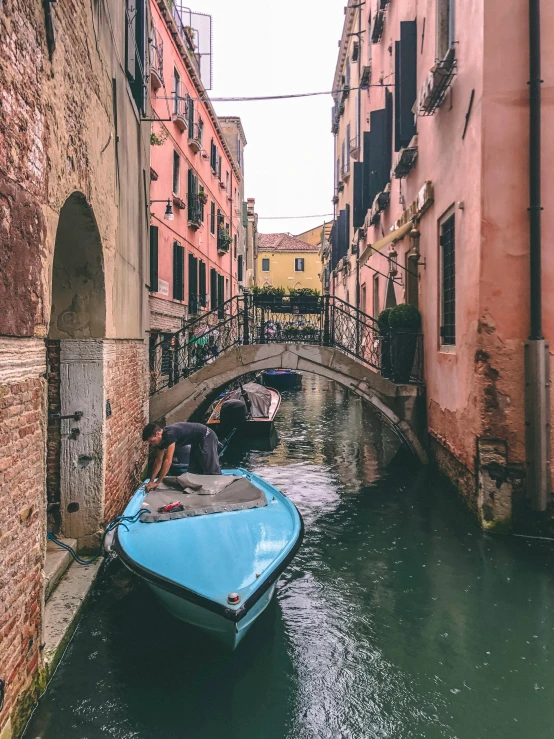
<point x="75" y="350"/>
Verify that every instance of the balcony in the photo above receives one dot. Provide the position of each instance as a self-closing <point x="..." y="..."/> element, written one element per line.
<point x="194" y="211"/>
<point x="355" y="147"/>
<point x="180" y="113"/>
<point x="156" y="60"/>
<point x="378" y="26"/>
<point x="355" y="51"/>
<point x="195" y="137"/>
<point x="223" y="241"/>
<point x="345" y="171"/>
<point x="405" y="160"/>
<point x="365" y="78"/>
<point x="435" y="87"/>
<point x="345" y="91"/>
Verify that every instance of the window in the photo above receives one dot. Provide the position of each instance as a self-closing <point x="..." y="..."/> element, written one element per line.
<point x="219" y="167"/>
<point x="445" y="26"/>
<point x="405" y="89"/>
<point x="363" y="298"/>
<point x="213" y="157"/>
<point x="213" y="289"/>
<point x="178" y="271"/>
<point x="135" y="50"/>
<point x="299" y="264"/>
<point x="193" y="284"/>
<point x="153" y="259"/>
<point x="265" y="264"/>
<point x="200" y="130"/>
<point x="347" y="80"/>
<point x="212" y="217"/>
<point x="235" y="246"/>
<point x="176" y="172"/>
<point x="221" y="296"/>
<point x="347" y="160"/>
<point x="448" y="281"/>
<point x="376" y="298"/>
<point x="239" y="268"/>
<point x="176" y="90"/>
<point x="202" y="284"/>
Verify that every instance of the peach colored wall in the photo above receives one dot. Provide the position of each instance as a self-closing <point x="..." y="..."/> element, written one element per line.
<point x="201" y="243"/>
<point x="475" y="389"/>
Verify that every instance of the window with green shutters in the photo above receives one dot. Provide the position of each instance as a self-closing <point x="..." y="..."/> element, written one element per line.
<point x="212" y="217"/>
<point x="202" y="284"/>
<point x="153" y="259"/>
<point x="193" y="284"/>
<point x="178" y="271"/>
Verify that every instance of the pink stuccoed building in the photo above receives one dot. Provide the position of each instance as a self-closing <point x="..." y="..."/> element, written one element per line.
<point x="436" y="153"/>
<point x="195" y="193"/>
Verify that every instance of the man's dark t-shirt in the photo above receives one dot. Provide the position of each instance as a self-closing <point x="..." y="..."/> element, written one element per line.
<point x="183" y="434"/>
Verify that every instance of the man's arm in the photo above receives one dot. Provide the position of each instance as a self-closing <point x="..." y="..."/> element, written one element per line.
<point x="157" y="478"/>
<point x="155" y="469"/>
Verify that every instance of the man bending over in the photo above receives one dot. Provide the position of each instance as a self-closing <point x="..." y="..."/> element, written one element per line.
<point x="171" y="441"/>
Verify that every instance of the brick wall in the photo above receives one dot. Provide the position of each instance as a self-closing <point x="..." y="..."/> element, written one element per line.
<point x="22" y="534"/>
<point x="166" y="315"/>
<point x="126" y="377"/>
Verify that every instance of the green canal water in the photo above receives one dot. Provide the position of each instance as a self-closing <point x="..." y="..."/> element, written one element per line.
<point x="398" y="618"/>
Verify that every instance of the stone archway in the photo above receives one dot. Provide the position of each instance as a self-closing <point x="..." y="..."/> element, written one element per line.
<point x="75" y="349"/>
<point x="401" y="406"/>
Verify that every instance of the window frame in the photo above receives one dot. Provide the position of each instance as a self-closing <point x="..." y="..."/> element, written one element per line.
<point x="176" y="172"/>
<point x="266" y="260"/>
<point x="446" y="312"/>
<point x="299" y="259"/>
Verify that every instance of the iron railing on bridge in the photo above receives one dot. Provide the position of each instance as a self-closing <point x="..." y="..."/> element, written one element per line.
<point x="255" y="319"/>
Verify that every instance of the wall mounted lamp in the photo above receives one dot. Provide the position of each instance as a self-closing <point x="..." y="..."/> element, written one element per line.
<point x="168" y="215"/>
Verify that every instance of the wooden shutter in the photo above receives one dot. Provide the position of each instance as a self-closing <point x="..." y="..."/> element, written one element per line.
<point x="202" y="284"/>
<point x="366" y="204"/>
<point x="347" y="225"/>
<point x="359" y="213"/>
<point x="407" y="80"/>
<point x="220" y="295"/>
<point x="397" y="139"/>
<point x="153" y="259"/>
<point x="239" y="268"/>
<point x="130" y="51"/>
<point x="178" y="271"/>
<point x="190" y="106"/>
<point x="213" y="289"/>
<point x="193" y="284"/>
<point x="212" y="217"/>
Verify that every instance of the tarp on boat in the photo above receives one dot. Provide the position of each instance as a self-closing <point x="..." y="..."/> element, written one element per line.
<point x="201" y="495"/>
<point x="259" y="397"/>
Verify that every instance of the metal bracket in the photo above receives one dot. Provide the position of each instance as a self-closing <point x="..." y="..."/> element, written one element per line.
<point x="73" y="416"/>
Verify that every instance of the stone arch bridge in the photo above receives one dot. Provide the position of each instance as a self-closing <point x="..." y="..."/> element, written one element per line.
<point x="334" y="341"/>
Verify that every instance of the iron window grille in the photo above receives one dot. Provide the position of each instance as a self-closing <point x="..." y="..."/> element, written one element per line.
<point x="448" y="291"/>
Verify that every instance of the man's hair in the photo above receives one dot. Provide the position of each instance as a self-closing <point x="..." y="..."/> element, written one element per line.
<point x="149" y="430"/>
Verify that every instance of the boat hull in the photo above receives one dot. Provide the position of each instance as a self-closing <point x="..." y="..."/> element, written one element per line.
<point x="159" y="554"/>
<point x="227" y="633"/>
<point x="281" y="380"/>
<point x="253" y="426"/>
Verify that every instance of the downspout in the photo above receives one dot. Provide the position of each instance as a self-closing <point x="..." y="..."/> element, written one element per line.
<point x="359" y="142"/>
<point x="537" y="394"/>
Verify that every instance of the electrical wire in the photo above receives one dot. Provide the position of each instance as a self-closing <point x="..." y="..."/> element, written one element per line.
<point x="286" y="218"/>
<point x="246" y="98"/>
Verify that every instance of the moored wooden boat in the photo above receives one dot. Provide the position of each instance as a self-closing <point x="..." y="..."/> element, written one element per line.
<point x="265" y="404"/>
<point x="215" y="564"/>
<point x="281" y="379"/>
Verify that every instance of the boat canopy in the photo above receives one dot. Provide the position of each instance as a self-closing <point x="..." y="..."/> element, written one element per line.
<point x="259" y="397"/>
<point x="200" y="495"/>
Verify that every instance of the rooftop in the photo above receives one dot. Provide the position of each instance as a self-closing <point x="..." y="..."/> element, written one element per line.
<point x="284" y="242"/>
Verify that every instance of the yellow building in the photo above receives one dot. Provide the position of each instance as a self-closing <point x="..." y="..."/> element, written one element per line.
<point x="317" y="235"/>
<point x="285" y="261"/>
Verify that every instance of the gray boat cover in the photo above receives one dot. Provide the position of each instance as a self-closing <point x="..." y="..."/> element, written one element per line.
<point x="259" y="396"/>
<point x="200" y="495"/>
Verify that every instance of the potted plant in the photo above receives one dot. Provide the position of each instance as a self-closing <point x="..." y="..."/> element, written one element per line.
<point x="268" y="296"/>
<point x="290" y="331"/>
<point x="384" y="342"/>
<point x="404" y="325"/>
<point x="202" y="196"/>
<point x="305" y="299"/>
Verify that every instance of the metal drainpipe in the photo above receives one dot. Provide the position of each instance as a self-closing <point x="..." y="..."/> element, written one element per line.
<point x="359" y="114"/>
<point x="537" y="380"/>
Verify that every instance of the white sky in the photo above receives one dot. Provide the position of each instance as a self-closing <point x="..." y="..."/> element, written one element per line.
<point x="264" y="47"/>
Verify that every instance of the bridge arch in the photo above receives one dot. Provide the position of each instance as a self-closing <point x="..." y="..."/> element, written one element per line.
<point x="400" y="406"/>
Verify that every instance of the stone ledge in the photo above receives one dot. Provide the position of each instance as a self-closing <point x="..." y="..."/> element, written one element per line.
<point x="56" y="563"/>
<point x="62" y="611"/>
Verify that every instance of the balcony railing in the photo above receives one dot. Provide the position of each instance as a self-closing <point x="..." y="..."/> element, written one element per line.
<point x="156" y="59"/>
<point x="223" y="241"/>
<point x="194" y="211"/>
<point x="180" y="112"/>
<point x="196" y="133"/>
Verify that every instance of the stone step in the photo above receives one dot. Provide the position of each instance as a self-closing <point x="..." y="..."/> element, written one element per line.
<point x="62" y="612"/>
<point x="56" y="563"/>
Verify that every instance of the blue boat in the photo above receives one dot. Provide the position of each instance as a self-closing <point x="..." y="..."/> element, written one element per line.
<point x="281" y="379"/>
<point x="215" y="564"/>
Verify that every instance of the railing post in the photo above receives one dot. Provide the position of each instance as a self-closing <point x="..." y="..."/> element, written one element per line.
<point x="262" y="326"/>
<point x="245" y="327"/>
<point x="326" y="320"/>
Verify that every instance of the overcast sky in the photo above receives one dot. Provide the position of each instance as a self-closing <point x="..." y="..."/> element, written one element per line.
<point x="263" y="47"/>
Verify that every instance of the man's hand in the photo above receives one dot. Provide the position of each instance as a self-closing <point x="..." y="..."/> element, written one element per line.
<point x="151" y="485"/>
